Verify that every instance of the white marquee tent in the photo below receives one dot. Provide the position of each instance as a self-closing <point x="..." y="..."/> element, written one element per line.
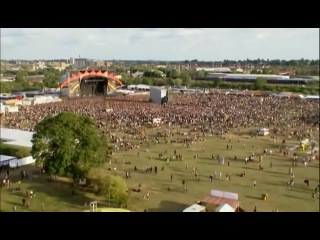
<point x="16" y="137"/>
<point x="225" y="208"/>
<point x="5" y="160"/>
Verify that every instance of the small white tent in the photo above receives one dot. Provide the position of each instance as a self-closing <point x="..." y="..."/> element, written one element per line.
<point x="263" y="131"/>
<point x="225" y="208"/>
<point x="195" y="208"/>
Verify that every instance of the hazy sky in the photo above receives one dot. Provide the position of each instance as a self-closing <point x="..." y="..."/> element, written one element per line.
<point x="208" y="44"/>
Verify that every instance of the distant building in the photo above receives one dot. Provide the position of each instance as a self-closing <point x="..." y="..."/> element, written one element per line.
<point x="137" y="74"/>
<point x="139" y="87"/>
<point x="109" y="64"/>
<point x="35" y="79"/>
<point x="215" y="70"/>
<point x="80" y="62"/>
<point x="100" y="63"/>
<point x="32" y="67"/>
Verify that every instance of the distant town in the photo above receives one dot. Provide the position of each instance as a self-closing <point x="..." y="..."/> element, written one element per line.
<point x="282" y="67"/>
<point x="224" y="119"/>
<point x="30" y="75"/>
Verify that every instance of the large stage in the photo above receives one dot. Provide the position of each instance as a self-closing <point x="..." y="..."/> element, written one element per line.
<point x="89" y="83"/>
<point x="95" y="86"/>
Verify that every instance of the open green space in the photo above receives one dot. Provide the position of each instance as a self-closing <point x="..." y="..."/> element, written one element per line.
<point x="57" y="195"/>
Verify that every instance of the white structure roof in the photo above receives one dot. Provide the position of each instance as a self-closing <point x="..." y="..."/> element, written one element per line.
<point x="218" y="69"/>
<point x="195" y="208"/>
<point x="225" y="208"/>
<point x="221" y="194"/>
<point x="16" y="137"/>
<point x="139" y="86"/>
<point x="311" y="97"/>
<point x="124" y="91"/>
<point x="6" y="158"/>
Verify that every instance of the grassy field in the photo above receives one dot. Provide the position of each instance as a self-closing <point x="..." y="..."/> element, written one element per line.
<point x="272" y="180"/>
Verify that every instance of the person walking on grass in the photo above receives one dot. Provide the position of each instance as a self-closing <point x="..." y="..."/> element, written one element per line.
<point x="254" y="183"/>
<point x="43" y="209"/>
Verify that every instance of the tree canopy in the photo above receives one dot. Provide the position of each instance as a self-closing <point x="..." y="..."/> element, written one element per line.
<point x="259" y="83"/>
<point x="115" y="189"/>
<point x="186" y="79"/>
<point x="69" y="145"/>
<point x="21" y="76"/>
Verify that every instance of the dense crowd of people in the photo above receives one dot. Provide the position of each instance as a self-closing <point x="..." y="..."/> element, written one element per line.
<point x="203" y="114"/>
<point x="213" y="113"/>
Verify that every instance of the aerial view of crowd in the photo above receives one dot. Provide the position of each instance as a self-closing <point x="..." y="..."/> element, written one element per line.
<point x="214" y="113"/>
<point x="202" y="115"/>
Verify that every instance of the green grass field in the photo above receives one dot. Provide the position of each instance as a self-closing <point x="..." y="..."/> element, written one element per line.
<point x="58" y="197"/>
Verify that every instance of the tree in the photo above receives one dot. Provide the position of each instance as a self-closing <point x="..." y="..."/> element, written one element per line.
<point x="114" y="188"/>
<point x="20" y="77"/>
<point x="218" y="82"/>
<point x="69" y="145"/>
<point x="201" y="73"/>
<point x="51" y="80"/>
<point x="259" y="83"/>
<point x="159" y="82"/>
<point x="174" y="73"/>
<point x="137" y="81"/>
<point x="94" y="176"/>
<point x="177" y="82"/>
<point x="52" y="77"/>
<point x="24" y="66"/>
<point x="186" y="79"/>
<point x="170" y="82"/>
<point x="147" y="81"/>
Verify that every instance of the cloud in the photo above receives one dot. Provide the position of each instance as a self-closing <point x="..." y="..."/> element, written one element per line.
<point x="208" y="44"/>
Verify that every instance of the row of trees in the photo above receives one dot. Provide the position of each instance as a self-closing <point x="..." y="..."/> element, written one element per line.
<point x="298" y="69"/>
<point x="225" y="62"/>
<point x="273" y="62"/>
<point x="21" y="82"/>
<point x="70" y="145"/>
<point x="260" y="84"/>
<point x="7" y="87"/>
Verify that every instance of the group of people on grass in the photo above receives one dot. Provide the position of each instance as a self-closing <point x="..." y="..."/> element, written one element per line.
<point x="202" y="114"/>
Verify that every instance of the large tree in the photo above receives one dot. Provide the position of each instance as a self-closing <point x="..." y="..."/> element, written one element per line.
<point x="69" y="145"/>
